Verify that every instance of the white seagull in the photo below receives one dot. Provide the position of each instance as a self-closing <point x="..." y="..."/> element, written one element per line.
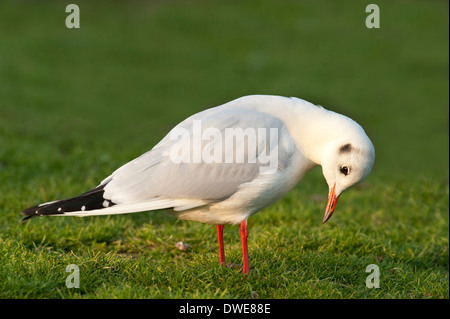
<point x="224" y="164"/>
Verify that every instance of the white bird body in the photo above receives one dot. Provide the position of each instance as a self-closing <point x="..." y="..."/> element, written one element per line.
<point x="221" y="192"/>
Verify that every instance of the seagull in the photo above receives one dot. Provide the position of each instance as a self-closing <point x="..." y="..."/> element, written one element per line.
<point x="226" y="163"/>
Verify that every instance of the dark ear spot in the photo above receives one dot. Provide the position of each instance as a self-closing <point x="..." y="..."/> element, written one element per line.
<point x="345" y="148"/>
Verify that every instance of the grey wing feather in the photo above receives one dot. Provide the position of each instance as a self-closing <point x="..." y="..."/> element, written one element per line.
<point x="154" y="175"/>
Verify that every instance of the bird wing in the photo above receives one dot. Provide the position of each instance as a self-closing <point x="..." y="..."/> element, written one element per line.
<point x="154" y="177"/>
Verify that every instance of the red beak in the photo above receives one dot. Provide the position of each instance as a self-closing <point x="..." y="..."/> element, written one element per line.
<point x="331" y="204"/>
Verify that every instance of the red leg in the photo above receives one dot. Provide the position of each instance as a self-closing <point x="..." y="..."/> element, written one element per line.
<point x="244" y="234"/>
<point x="221" y="249"/>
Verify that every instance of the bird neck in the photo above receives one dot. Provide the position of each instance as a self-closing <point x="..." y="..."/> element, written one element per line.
<point x="313" y="128"/>
<point x="316" y="130"/>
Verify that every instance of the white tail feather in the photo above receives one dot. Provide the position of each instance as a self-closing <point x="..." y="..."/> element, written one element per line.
<point x="137" y="207"/>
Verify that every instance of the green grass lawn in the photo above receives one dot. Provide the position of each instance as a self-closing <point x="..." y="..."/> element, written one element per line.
<point x="77" y="104"/>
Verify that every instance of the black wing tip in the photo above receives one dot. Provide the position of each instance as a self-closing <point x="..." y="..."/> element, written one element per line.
<point x="27" y="218"/>
<point x="90" y="200"/>
<point x="30" y="213"/>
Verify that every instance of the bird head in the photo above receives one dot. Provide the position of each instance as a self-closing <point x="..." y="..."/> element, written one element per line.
<point x="346" y="161"/>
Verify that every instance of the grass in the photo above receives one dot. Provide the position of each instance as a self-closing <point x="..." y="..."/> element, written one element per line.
<point x="77" y="104"/>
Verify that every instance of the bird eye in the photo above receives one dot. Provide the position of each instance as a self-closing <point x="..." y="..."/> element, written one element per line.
<point x="345" y="170"/>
